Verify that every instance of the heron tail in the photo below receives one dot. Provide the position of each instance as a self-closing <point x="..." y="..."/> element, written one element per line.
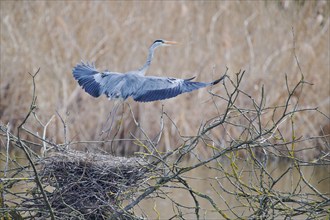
<point x="218" y="80"/>
<point x="85" y="74"/>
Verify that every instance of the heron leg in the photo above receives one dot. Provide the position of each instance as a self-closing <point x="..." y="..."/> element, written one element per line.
<point x="111" y="116"/>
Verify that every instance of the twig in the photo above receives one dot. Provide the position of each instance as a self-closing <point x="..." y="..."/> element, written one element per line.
<point x="64" y="130"/>
<point x="44" y="132"/>
<point x="32" y="107"/>
<point x="7" y="150"/>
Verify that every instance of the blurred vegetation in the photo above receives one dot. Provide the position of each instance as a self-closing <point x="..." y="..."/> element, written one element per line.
<point x="255" y="36"/>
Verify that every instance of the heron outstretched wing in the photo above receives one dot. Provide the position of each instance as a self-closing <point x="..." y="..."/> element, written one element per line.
<point x="159" y="88"/>
<point x="84" y="74"/>
<point x="94" y="82"/>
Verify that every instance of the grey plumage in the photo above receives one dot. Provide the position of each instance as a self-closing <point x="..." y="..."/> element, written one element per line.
<point x="141" y="88"/>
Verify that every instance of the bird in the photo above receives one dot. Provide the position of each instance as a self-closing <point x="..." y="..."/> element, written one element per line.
<point x="134" y="83"/>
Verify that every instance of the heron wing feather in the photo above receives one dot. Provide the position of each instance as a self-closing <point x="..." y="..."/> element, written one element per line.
<point x="85" y="75"/>
<point x="94" y="82"/>
<point x="159" y="88"/>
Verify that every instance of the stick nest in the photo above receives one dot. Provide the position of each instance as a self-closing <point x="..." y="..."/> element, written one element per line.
<point x="88" y="186"/>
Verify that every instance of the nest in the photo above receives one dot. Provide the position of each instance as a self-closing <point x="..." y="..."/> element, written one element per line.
<point x="88" y="186"/>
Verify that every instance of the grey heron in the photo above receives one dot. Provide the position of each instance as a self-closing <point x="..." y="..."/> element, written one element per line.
<point x="134" y="83"/>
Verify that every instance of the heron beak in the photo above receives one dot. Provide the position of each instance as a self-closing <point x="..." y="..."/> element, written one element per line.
<point x="169" y="43"/>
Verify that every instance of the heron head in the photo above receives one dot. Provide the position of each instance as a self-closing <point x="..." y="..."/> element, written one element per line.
<point x="161" y="42"/>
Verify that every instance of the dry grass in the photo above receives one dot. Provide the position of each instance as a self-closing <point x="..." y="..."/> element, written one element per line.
<point x="255" y="36"/>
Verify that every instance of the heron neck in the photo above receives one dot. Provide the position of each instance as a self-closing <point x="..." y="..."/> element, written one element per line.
<point x="144" y="68"/>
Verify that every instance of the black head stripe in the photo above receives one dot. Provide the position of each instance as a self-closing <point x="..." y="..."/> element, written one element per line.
<point x="160" y="41"/>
